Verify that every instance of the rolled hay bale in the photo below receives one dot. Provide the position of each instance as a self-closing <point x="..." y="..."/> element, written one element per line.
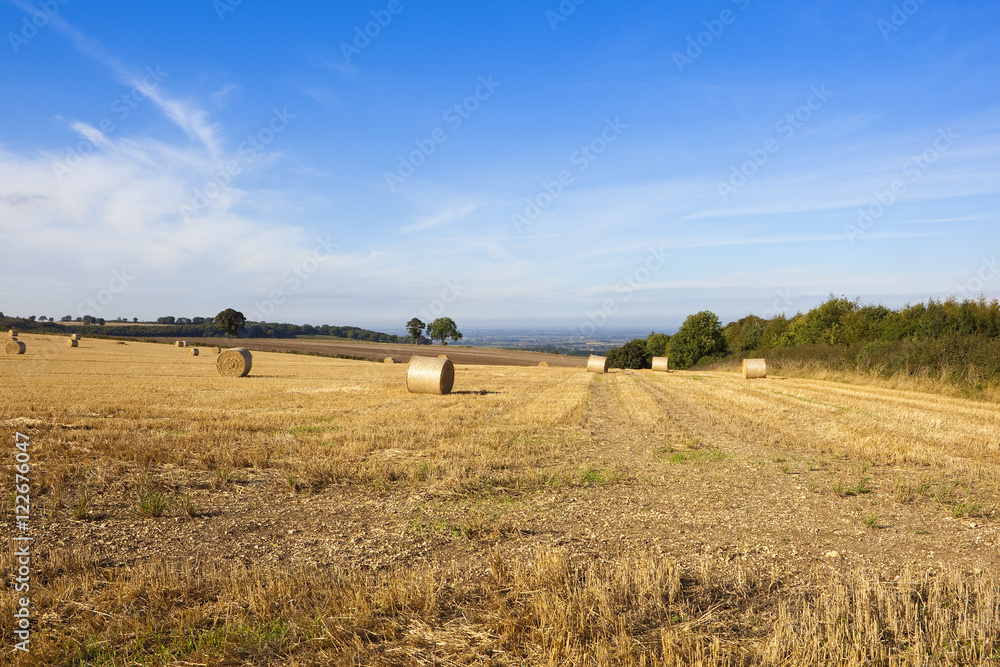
<point x="75" y="336"/>
<point x="543" y="364"/>
<point x="234" y="362"/>
<point x="390" y="360"/>
<point x="661" y="364"/>
<point x="442" y="356"/>
<point x="754" y="369"/>
<point x="427" y="375"/>
<point x="218" y="350"/>
<point x="178" y="343"/>
<point x="184" y="343"/>
<point x="596" y="364"/>
<point x="15" y="347"/>
<point x="12" y="333"/>
<point x="72" y="342"/>
<point x="193" y="352"/>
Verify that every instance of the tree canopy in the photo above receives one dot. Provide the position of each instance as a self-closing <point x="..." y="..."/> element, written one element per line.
<point x="442" y="329"/>
<point x="700" y="336"/>
<point x="415" y="327"/>
<point x="231" y="321"/>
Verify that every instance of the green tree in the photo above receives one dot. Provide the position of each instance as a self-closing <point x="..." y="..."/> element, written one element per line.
<point x="231" y="321"/>
<point x="700" y="336"/>
<point x="415" y="327"/>
<point x="632" y="354"/>
<point x="656" y="345"/>
<point x="442" y="329"/>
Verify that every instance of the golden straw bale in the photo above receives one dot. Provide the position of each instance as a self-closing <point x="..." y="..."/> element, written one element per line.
<point x="193" y="352"/>
<point x="754" y="369"/>
<point x="390" y="360"/>
<point x="427" y="375"/>
<point x="661" y="364"/>
<point x="15" y="347"/>
<point x="234" y="362"/>
<point x="72" y="342"/>
<point x="596" y="364"/>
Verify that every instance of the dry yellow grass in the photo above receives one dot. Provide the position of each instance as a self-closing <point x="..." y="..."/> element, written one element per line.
<point x="317" y="513"/>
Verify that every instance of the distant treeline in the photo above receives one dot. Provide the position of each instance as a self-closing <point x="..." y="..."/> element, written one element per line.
<point x="956" y="341"/>
<point x="196" y="328"/>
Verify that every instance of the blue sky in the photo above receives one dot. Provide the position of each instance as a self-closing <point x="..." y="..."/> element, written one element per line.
<point x="585" y="166"/>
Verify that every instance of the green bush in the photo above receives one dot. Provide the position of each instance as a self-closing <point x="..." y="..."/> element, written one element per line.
<point x="700" y="336"/>
<point x="632" y="354"/>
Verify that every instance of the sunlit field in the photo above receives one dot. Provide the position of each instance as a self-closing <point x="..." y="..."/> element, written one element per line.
<point x="316" y="513"/>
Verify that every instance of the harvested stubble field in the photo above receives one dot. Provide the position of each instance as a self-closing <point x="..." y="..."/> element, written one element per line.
<point x="315" y="513"/>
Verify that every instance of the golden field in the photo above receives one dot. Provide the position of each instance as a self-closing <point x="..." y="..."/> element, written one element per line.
<point x="316" y="513"/>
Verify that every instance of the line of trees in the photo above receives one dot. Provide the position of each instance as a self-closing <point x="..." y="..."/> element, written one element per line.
<point x="955" y="340"/>
<point x="196" y="327"/>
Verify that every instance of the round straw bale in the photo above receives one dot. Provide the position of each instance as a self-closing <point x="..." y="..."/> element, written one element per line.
<point x="390" y="360"/>
<point x="193" y="352"/>
<point x="15" y="347"/>
<point x="442" y="356"/>
<point x="178" y="343"/>
<point x="234" y="362"/>
<point x="596" y="364"/>
<point x="543" y="364"/>
<point x="427" y="375"/>
<point x="218" y="350"/>
<point x="72" y="343"/>
<point x="754" y="368"/>
<point x="75" y="336"/>
<point x="12" y="333"/>
<point x="661" y="364"/>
